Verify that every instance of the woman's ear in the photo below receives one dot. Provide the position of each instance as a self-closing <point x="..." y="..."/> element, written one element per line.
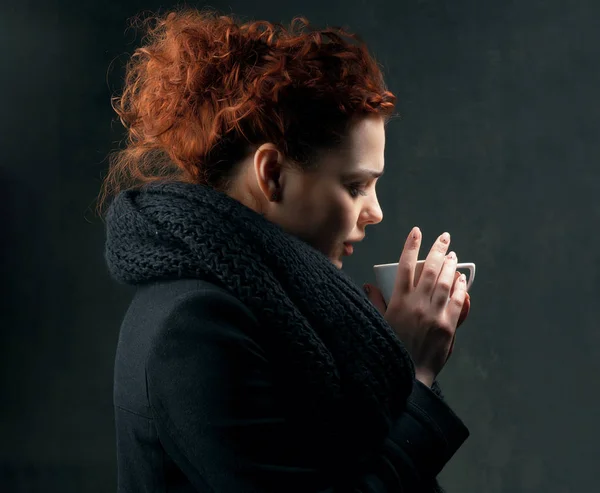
<point x="268" y="163"/>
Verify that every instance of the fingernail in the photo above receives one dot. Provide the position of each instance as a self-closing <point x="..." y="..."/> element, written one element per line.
<point x="463" y="278"/>
<point x="415" y="232"/>
<point x="445" y="238"/>
<point x="451" y="255"/>
<point x="367" y="288"/>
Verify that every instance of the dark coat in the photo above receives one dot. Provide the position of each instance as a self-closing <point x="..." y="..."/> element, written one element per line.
<point x="196" y="410"/>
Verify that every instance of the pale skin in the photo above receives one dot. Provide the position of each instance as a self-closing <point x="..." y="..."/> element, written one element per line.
<point x="332" y="205"/>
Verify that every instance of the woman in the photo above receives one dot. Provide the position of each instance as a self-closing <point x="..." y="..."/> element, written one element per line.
<point x="248" y="361"/>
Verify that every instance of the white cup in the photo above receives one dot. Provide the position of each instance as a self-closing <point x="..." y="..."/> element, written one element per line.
<point x="385" y="276"/>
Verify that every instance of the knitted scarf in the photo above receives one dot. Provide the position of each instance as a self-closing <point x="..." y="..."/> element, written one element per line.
<point x="342" y="372"/>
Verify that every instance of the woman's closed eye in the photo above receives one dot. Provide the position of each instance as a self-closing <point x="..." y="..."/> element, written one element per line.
<point x="357" y="189"/>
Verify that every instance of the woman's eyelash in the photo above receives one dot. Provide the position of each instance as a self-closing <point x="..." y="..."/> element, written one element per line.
<point x="356" y="189"/>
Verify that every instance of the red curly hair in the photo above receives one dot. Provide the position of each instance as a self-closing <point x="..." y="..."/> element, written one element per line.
<point x="203" y="90"/>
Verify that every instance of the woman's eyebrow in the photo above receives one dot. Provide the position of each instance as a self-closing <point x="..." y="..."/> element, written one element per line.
<point x="363" y="172"/>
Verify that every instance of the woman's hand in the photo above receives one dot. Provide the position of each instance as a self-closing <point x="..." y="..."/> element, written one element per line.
<point x="425" y="314"/>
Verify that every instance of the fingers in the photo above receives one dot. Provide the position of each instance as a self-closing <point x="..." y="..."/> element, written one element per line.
<point x="465" y="310"/>
<point x="433" y="264"/>
<point x="445" y="282"/>
<point x="457" y="301"/>
<point x="408" y="260"/>
<point x="456" y="276"/>
<point x="464" y="313"/>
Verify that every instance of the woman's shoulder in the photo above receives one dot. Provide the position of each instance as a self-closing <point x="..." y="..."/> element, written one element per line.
<point x="176" y="287"/>
<point x="161" y="309"/>
<point x="163" y="298"/>
<point x="182" y="327"/>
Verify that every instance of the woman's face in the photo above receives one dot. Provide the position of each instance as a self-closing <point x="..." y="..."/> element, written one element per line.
<point x="331" y="205"/>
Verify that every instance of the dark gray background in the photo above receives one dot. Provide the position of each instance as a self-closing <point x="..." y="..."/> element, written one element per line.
<point x="497" y="143"/>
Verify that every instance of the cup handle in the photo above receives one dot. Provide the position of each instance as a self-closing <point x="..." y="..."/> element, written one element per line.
<point x="471" y="268"/>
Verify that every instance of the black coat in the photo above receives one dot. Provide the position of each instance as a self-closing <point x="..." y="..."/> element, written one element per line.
<point x="196" y="410"/>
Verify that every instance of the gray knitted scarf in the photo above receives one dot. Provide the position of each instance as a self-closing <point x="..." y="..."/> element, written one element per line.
<point x="343" y="374"/>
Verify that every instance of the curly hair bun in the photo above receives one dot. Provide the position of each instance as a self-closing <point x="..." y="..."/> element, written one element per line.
<point x="204" y="88"/>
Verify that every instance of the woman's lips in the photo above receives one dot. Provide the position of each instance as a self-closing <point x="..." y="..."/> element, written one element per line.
<point x="348" y="249"/>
